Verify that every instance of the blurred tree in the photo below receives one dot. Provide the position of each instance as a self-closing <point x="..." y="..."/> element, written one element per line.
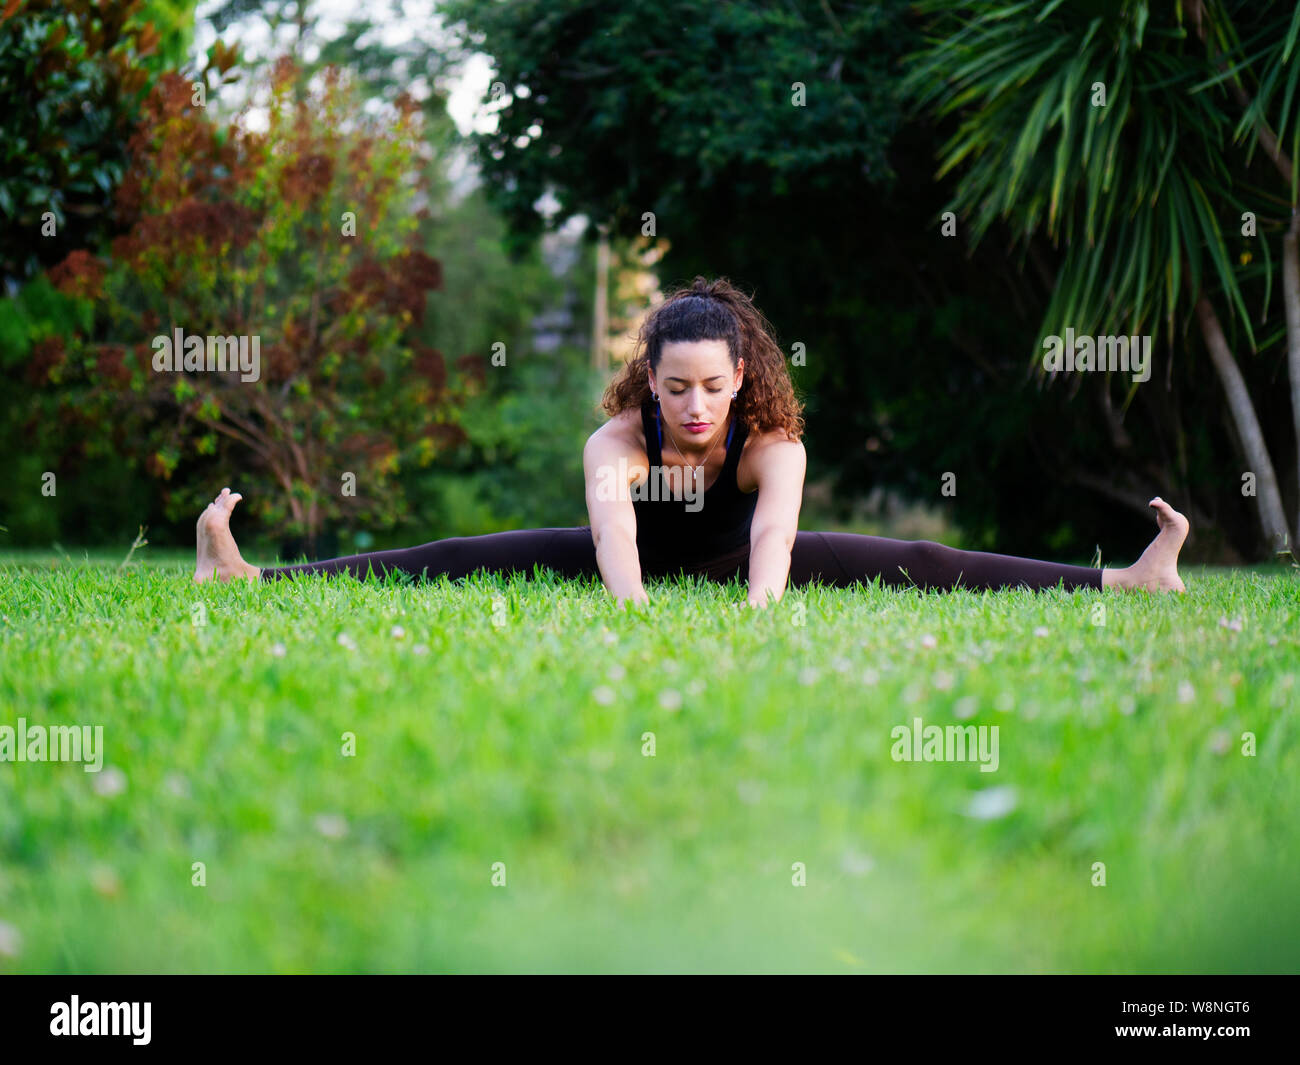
<point x="384" y="64"/>
<point x="527" y="323"/>
<point x="1107" y="127"/>
<point x="302" y="239"/>
<point x="72" y="75"/>
<point x="682" y="105"/>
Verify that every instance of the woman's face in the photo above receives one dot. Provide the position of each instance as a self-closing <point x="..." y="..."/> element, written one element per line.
<point x="695" y="380"/>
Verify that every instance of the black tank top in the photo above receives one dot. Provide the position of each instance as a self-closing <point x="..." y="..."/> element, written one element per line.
<point x="667" y="533"/>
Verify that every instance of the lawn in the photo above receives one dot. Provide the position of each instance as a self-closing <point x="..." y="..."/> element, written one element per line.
<point x="459" y="777"/>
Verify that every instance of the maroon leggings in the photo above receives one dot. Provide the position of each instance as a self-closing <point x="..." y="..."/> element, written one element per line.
<point x="836" y="559"/>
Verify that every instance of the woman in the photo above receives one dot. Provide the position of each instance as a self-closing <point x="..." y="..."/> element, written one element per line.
<point x="700" y="470"/>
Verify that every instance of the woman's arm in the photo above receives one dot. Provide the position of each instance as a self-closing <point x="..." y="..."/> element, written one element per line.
<point x="613" y="520"/>
<point x="779" y="469"/>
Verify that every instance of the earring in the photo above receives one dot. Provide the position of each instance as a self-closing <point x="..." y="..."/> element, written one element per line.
<point x="733" y="395"/>
<point x="655" y="396"/>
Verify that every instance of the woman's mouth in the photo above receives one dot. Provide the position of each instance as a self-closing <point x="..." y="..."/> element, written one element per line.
<point x="697" y="427"/>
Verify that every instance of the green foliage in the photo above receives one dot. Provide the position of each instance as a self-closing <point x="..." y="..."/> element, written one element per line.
<point x="520" y="465"/>
<point x="648" y="106"/>
<point x="1127" y="138"/>
<point x="173" y="22"/>
<point x="72" y="74"/>
<point x="1139" y="190"/>
<point x="384" y="65"/>
<point x="302" y="240"/>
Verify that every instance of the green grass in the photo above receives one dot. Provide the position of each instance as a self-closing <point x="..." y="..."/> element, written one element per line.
<point x="516" y="737"/>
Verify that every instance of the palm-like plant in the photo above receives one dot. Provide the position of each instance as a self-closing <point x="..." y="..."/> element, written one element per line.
<point x="1126" y="132"/>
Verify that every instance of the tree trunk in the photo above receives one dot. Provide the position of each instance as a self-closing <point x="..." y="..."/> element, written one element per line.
<point x="1291" y="301"/>
<point x="1268" y="499"/>
<point x="600" y="313"/>
<point x="1290" y="264"/>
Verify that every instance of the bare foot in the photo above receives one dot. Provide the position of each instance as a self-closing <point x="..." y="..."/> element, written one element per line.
<point x="1157" y="569"/>
<point x="217" y="554"/>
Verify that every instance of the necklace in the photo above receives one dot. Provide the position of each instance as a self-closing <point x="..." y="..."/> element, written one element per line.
<point x="695" y="470"/>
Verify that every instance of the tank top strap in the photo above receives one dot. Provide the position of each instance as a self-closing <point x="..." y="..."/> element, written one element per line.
<point x="735" y="445"/>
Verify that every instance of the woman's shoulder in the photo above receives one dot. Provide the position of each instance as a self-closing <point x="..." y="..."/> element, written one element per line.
<point x="762" y="439"/>
<point x="764" y="448"/>
<point x="625" y="429"/>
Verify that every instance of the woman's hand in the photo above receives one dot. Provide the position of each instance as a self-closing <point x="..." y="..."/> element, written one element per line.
<point x="638" y="598"/>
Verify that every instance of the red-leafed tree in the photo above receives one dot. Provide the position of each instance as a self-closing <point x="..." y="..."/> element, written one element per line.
<point x="301" y="244"/>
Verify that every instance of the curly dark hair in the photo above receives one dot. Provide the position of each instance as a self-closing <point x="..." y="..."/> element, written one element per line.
<point x="715" y="310"/>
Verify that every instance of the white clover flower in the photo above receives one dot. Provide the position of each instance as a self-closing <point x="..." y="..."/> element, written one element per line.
<point x="105" y="881"/>
<point x="345" y="640"/>
<point x="929" y="641"/>
<point x="331" y="826"/>
<point x="670" y="699"/>
<point x="856" y="864"/>
<point x="110" y="781"/>
<point x="397" y="632"/>
<point x="991" y="803"/>
<point x="11" y="940"/>
<point x="603" y="695"/>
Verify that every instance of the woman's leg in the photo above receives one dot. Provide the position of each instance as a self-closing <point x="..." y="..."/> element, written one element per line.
<point x="839" y="559"/>
<point x="569" y="552"/>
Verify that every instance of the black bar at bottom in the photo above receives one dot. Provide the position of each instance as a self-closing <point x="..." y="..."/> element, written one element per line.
<point x="338" y="1014"/>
